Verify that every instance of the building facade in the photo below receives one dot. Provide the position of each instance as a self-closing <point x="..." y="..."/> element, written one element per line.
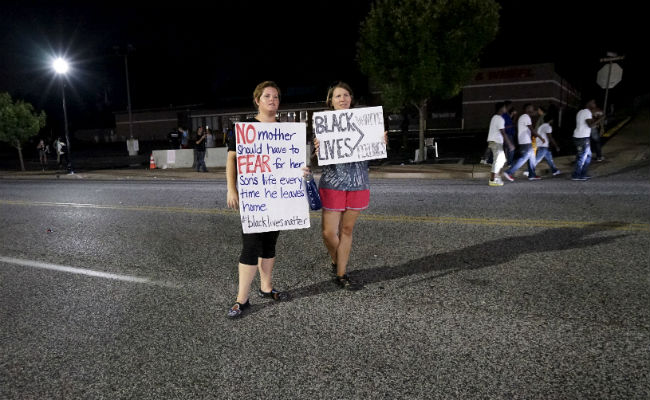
<point x="157" y="124"/>
<point x="537" y="84"/>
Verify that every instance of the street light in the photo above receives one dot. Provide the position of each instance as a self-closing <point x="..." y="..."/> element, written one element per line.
<point x="61" y="67"/>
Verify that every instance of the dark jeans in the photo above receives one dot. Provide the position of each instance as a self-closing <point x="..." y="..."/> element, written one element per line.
<point x="583" y="157"/>
<point x="200" y="161"/>
<point x="510" y="156"/>
<point x="595" y="142"/>
<point x="65" y="159"/>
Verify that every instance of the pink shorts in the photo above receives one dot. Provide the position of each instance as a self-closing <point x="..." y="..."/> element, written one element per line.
<point x="341" y="200"/>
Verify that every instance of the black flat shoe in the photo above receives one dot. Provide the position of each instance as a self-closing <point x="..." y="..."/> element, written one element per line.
<point x="236" y="310"/>
<point x="275" y="295"/>
<point x="344" y="282"/>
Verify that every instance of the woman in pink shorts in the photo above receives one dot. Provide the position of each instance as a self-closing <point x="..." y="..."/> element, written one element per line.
<point x="345" y="192"/>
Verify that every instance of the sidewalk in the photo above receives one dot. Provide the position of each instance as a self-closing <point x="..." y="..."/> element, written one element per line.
<point x="629" y="147"/>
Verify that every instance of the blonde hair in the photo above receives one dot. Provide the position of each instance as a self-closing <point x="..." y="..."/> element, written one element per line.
<point x="259" y="89"/>
<point x="330" y="92"/>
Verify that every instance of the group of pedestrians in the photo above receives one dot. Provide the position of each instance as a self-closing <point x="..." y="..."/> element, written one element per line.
<point x="344" y="191"/>
<point x="534" y="141"/>
<point x="204" y="139"/>
<point x="61" y="149"/>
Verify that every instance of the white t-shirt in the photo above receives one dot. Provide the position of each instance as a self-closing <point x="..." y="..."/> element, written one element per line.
<point x="523" y="136"/>
<point x="496" y="124"/>
<point x="543" y="132"/>
<point x="582" y="129"/>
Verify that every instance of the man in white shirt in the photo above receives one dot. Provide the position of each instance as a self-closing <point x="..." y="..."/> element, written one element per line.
<point x="581" y="137"/>
<point x="496" y="139"/>
<point x="525" y="133"/>
<point x="543" y="150"/>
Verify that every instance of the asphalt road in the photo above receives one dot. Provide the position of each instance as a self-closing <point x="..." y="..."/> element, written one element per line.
<point x="532" y="290"/>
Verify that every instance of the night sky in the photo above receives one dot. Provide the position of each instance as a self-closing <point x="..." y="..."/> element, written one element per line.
<point x="215" y="54"/>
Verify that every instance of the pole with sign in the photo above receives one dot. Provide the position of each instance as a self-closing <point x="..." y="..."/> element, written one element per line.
<point x="608" y="77"/>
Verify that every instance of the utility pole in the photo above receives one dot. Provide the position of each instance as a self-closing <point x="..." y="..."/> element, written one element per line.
<point x="132" y="145"/>
<point x="128" y="91"/>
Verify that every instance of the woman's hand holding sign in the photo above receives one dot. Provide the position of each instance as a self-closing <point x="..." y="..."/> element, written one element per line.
<point x="232" y="199"/>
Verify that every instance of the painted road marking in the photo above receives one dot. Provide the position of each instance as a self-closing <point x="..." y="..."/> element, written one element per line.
<point x="81" y="271"/>
<point x="609" y="225"/>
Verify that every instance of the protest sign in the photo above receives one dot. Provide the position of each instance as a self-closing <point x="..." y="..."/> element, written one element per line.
<point x="356" y="134"/>
<point x="270" y="158"/>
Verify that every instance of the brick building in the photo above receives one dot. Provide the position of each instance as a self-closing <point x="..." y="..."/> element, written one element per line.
<point x="538" y="84"/>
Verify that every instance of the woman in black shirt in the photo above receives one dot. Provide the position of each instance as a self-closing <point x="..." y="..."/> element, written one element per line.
<point x="258" y="252"/>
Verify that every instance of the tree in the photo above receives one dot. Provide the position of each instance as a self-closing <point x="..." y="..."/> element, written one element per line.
<point x="18" y="123"/>
<point x="415" y="50"/>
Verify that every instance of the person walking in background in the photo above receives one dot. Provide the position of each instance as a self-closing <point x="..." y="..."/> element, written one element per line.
<point x="209" y="140"/>
<point x="595" y="136"/>
<point x="525" y="132"/>
<point x="200" y="150"/>
<point x="57" y="149"/>
<point x="539" y="120"/>
<point x="62" y="150"/>
<point x="497" y="139"/>
<point x="185" y="137"/>
<point x="543" y="150"/>
<point x="258" y="249"/>
<point x="585" y="121"/>
<point x="508" y="118"/>
<point x="43" y="149"/>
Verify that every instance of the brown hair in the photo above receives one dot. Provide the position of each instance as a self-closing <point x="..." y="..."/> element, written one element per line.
<point x="330" y="92"/>
<point x="257" y="93"/>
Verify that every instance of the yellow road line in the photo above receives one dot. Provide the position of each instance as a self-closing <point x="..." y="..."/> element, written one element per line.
<point x="610" y="225"/>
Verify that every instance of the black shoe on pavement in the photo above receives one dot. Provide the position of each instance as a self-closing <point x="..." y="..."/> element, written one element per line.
<point x="344" y="282"/>
<point x="275" y="295"/>
<point x="237" y="310"/>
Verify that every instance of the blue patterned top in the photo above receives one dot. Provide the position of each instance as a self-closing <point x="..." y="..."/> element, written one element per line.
<point x="348" y="176"/>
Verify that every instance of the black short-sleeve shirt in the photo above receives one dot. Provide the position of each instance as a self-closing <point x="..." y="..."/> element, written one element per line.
<point x="232" y="140"/>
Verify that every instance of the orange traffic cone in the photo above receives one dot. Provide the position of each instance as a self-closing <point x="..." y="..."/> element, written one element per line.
<point x="152" y="163"/>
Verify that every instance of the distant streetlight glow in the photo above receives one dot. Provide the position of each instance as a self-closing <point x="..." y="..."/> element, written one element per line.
<point x="60" y="66"/>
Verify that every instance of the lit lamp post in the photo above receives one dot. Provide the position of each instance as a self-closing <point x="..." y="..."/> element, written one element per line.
<point x="61" y="67"/>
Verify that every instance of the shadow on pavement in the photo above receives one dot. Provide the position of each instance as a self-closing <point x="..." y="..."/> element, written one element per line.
<point x="482" y="255"/>
<point x="632" y="168"/>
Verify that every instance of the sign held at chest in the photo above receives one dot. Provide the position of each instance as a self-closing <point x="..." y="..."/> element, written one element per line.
<point x="350" y="135"/>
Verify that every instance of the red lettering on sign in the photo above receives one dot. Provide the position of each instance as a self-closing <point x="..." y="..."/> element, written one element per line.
<point x="253" y="163"/>
<point x="243" y="133"/>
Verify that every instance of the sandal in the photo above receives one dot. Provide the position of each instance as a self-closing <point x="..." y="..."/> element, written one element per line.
<point x="236" y="310"/>
<point x="275" y="295"/>
<point x="344" y="282"/>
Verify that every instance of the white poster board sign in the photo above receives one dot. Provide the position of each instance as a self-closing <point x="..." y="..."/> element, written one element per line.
<point x="171" y="156"/>
<point x="356" y="134"/>
<point x="270" y="158"/>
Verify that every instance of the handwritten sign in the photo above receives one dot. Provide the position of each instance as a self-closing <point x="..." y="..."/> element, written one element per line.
<point x="270" y="158"/>
<point x="350" y="135"/>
